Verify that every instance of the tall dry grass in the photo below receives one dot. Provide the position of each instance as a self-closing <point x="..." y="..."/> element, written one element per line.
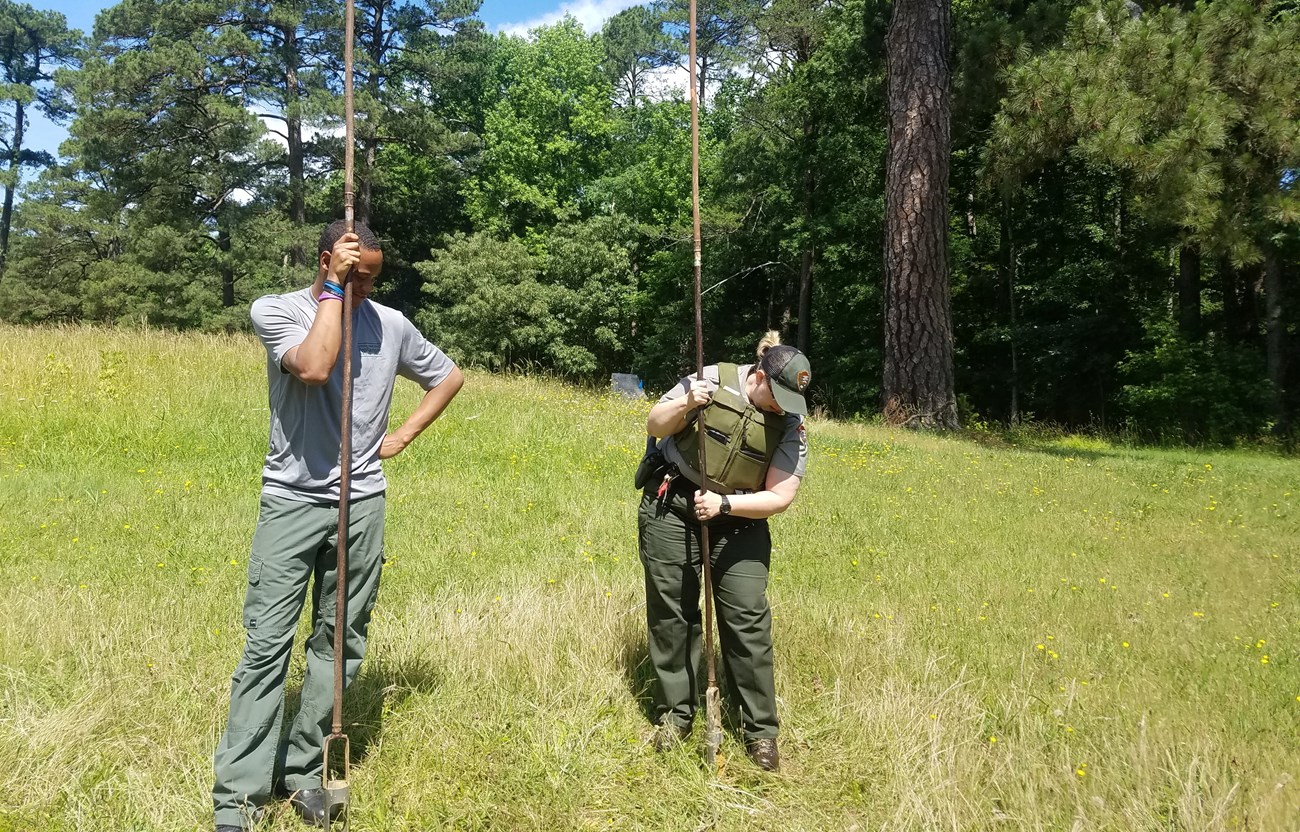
<point x="1064" y="636"/>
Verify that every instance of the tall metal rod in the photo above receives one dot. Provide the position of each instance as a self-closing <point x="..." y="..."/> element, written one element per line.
<point x="713" y="704"/>
<point x="345" y="443"/>
<point x="337" y="789"/>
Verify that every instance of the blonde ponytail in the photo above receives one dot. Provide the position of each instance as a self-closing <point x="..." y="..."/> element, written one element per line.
<point x="770" y="339"/>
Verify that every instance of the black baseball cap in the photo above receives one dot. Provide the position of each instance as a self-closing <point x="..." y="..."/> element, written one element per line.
<point x="789" y="373"/>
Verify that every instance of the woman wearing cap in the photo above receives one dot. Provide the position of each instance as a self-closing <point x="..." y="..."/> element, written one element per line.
<point x="756" y="454"/>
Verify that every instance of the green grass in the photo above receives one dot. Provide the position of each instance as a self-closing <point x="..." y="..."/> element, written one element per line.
<point x="1104" y="614"/>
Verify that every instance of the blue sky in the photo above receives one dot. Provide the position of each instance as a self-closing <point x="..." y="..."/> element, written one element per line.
<point x="516" y="16"/>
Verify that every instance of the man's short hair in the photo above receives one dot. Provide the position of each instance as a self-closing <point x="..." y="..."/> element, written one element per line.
<point x="338" y="228"/>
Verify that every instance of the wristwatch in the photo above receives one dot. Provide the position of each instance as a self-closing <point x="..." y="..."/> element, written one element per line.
<point x="726" y="505"/>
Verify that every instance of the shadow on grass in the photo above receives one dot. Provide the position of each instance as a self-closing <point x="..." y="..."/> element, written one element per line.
<point x="1091" y="451"/>
<point x="381" y="687"/>
<point x="1060" y="442"/>
<point x="638" y="674"/>
<point x="1052" y="449"/>
<point x="640" y="679"/>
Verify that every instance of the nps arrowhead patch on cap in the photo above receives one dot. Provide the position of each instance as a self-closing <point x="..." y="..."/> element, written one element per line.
<point x="801" y="380"/>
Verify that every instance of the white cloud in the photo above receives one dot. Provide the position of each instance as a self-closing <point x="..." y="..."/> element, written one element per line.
<point x="592" y="14"/>
<point x="666" y="80"/>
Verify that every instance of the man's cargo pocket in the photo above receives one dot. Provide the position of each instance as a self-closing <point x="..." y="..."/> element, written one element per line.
<point x="251" y="601"/>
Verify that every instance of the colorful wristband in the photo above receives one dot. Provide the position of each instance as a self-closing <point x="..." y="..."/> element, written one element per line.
<point x="333" y="288"/>
<point x="328" y="296"/>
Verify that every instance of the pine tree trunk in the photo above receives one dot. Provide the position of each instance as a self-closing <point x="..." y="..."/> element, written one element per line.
<point x="1252" y="285"/>
<point x="293" y="130"/>
<point x="364" y="205"/>
<point x="1231" y="330"/>
<point x="1009" y="265"/>
<point x="704" y="74"/>
<point x="809" y="253"/>
<point x="1189" y="292"/>
<point x="366" y="192"/>
<point x="1275" y="338"/>
<point x="918" y="378"/>
<point x="226" y="267"/>
<point x="770" y="320"/>
<point x="805" y="298"/>
<point x="15" y="157"/>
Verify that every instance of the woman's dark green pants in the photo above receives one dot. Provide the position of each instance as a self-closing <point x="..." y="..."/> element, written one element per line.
<point x="741" y="553"/>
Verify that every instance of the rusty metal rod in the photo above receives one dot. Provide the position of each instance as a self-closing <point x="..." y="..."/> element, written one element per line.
<point x="345" y="439"/>
<point x="713" y="707"/>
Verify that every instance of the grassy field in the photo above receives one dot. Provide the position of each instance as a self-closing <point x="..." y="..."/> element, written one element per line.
<point x="1051" y="636"/>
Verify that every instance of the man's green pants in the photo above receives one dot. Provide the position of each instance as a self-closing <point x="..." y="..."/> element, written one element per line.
<point x="741" y="553"/>
<point x="294" y="546"/>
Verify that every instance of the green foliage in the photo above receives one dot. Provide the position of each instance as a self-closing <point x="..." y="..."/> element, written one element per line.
<point x="649" y="175"/>
<point x="591" y="290"/>
<point x="636" y="45"/>
<point x="799" y="169"/>
<point x="563" y="305"/>
<point x="487" y="308"/>
<point x="1193" y="392"/>
<point x="33" y="45"/>
<point x="534" y="194"/>
<point x="1166" y="97"/>
<point x="548" y="135"/>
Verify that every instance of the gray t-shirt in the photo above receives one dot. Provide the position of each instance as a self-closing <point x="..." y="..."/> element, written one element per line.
<point x="303" y="460"/>
<point x="791" y="453"/>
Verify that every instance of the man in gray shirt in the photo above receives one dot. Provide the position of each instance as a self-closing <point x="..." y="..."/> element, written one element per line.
<point x="297" y="526"/>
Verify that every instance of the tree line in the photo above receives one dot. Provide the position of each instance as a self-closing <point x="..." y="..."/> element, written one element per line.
<point x="1082" y="213"/>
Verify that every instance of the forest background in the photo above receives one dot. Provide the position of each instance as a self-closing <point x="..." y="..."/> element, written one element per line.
<point x="1122" y="236"/>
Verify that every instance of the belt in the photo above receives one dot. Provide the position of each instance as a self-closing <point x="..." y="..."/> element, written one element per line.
<point x="681" y="483"/>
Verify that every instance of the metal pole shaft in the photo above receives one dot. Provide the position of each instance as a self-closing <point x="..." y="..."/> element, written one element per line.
<point x="345" y="439"/>
<point x="699" y="349"/>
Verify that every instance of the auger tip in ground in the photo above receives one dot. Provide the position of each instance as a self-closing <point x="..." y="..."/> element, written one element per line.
<point x="713" y="728"/>
<point x="337" y="791"/>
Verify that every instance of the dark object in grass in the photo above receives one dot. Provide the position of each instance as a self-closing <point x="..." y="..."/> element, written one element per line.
<point x="668" y="736"/>
<point x="764" y="754"/>
<point x="312" y="804"/>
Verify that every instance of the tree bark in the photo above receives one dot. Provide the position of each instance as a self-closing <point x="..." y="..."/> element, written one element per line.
<point x="226" y="267"/>
<point x="1231" y="301"/>
<point x="15" y="160"/>
<point x="367" y="131"/>
<point x="771" y="302"/>
<point x="809" y="253"/>
<point x="293" y="131"/>
<point x="1009" y="265"/>
<point x="918" y="378"/>
<point x="702" y="82"/>
<point x="805" y="298"/>
<point x="1275" y="339"/>
<point x="1189" y="292"/>
<point x="366" y="192"/>
<point x="1251" y="284"/>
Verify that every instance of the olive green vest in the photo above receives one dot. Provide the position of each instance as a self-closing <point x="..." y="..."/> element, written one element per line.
<point x="740" y="439"/>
